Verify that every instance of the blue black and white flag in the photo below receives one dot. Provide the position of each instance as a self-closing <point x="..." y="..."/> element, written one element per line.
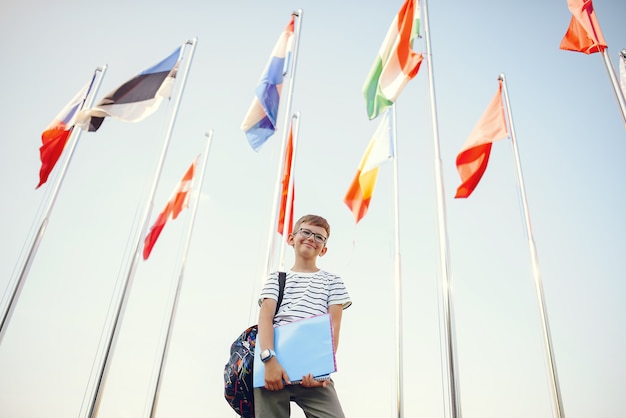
<point x="136" y="99"/>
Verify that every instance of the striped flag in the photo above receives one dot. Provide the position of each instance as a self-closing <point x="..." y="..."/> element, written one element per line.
<point x="260" y="121"/>
<point x="177" y="202"/>
<point x="379" y="150"/>
<point x="55" y="137"/>
<point x="472" y="161"/>
<point x="288" y="187"/>
<point x="396" y="63"/>
<point x="583" y="33"/>
<point x="136" y="99"/>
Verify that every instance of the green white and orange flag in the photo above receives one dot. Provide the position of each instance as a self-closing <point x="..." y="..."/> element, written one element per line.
<point x="472" y="161"/>
<point x="396" y="63"/>
<point x="379" y="150"/>
<point x="583" y="33"/>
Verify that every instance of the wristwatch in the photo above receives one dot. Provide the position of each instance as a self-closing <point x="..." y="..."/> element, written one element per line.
<point x="267" y="354"/>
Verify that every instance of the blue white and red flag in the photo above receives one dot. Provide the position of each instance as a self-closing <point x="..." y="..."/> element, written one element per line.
<point x="260" y="121"/>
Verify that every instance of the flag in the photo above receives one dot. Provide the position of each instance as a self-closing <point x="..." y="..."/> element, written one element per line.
<point x="177" y="202"/>
<point x="55" y="136"/>
<point x="471" y="162"/>
<point x="396" y="63"/>
<point x="260" y="121"/>
<point x="288" y="187"/>
<point x="138" y="98"/>
<point x="379" y="150"/>
<point x="583" y="33"/>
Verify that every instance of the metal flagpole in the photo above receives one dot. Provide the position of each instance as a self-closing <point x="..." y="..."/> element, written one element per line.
<point x="622" y="72"/>
<point x="622" y="55"/>
<point x="272" y="225"/>
<point x="73" y="140"/>
<point x="157" y="389"/>
<point x="616" y="87"/>
<point x="556" y="392"/>
<point x="454" y="398"/>
<point x="95" y="405"/>
<point x="290" y="191"/>
<point x="398" y="277"/>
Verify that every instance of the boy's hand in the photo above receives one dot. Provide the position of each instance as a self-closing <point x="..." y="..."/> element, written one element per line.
<point x="309" y="382"/>
<point x="275" y="375"/>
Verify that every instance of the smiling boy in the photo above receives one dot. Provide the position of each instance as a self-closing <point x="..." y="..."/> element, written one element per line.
<point x="309" y="291"/>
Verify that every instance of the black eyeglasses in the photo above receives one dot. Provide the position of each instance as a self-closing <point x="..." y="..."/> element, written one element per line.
<point x="307" y="233"/>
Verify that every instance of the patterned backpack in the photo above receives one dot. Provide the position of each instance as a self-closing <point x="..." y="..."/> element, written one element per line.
<point x="238" y="389"/>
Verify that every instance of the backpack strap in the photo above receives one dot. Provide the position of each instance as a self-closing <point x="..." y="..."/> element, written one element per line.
<point x="282" y="278"/>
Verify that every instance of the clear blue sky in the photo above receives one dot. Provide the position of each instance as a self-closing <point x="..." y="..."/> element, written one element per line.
<point x="572" y="144"/>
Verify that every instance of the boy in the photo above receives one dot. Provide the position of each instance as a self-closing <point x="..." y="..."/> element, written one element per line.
<point x="308" y="291"/>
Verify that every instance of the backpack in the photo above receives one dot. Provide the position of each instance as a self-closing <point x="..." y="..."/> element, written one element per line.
<point x="238" y="389"/>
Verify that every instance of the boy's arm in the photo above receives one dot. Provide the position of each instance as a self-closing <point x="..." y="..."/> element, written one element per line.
<point x="274" y="372"/>
<point x="335" y="312"/>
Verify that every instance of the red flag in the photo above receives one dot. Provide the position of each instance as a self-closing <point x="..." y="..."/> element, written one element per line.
<point x="287" y="187"/>
<point x="178" y="201"/>
<point x="471" y="162"/>
<point x="583" y="33"/>
<point x="54" y="138"/>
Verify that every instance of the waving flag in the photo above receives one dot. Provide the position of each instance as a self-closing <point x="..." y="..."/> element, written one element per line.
<point x="136" y="99"/>
<point x="396" y="63"/>
<point x="55" y="137"/>
<point x="177" y="202"/>
<point x="472" y="161"/>
<point x="583" y="33"/>
<point x="288" y="187"/>
<point x="379" y="150"/>
<point x="260" y="121"/>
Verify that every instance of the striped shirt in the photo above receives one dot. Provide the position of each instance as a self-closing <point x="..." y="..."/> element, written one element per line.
<point x="305" y="295"/>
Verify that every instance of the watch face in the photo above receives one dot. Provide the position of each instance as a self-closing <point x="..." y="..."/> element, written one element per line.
<point x="265" y="355"/>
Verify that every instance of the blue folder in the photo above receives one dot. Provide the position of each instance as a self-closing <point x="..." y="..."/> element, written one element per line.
<point x="302" y="347"/>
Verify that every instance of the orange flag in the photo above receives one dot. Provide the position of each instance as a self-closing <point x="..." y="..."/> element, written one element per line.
<point x="178" y="201"/>
<point x="471" y="162"/>
<point x="286" y="187"/>
<point x="583" y="33"/>
<point x="378" y="151"/>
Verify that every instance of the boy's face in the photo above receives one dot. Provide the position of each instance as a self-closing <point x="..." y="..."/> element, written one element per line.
<point x="311" y="246"/>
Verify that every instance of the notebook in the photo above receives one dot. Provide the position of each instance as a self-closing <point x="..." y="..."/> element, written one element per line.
<point x="302" y="347"/>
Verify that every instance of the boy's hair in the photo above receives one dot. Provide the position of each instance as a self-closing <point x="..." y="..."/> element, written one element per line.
<point x="313" y="220"/>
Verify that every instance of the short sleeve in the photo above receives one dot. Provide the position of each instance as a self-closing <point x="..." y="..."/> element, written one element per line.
<point x="270" y="288"/>
<point x="338" y="294"/>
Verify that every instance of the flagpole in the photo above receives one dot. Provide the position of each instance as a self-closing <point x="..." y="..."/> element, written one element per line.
<point x="556" y="392"/>
<point x="622" y="55"/>
<point x="454" y="401"/>
<point x="397" y="276"/>
<point x="170" y="327"/>
<point x="614" y="82"/>
<point x="95" y="405"/>
<point x="76" y="131"/>
<point x="290" y="191"/>
<point x="273" y="222"/>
